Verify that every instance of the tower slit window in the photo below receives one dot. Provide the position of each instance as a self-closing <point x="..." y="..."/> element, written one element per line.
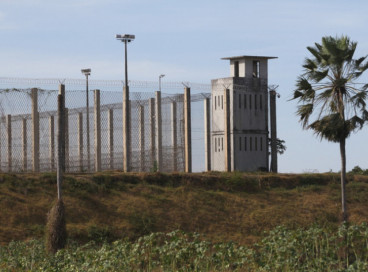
<point x="245" y="101"/>
<point x="261" y="143"/>
<point x="260" y="101"/>
<point x="239" y="101"/>
<point x="240" y="143"/>
<point x="255" y="101"/>
<point x="215" y="102"/>
<point x="250" y="143"/>
<point x="245" y="143"/>
<point x="255" y="144"/>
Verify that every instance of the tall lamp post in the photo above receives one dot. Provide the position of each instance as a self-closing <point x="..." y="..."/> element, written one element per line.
<point x="87" y="72"/>
<point x="126" y="38"/>
<point x="159" y="82"/>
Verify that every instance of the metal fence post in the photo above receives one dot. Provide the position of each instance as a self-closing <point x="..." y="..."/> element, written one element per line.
<point x="141" y="137"/>
<point x="52" y="142"/>
<point x="111" y="137"/>
<point x="80" y="140"/>
<point x="97" y="131"/>
<point x="187" y="131"/>
<point x="9" y="129"/>
<point x="24" y="143"/>
<point x="63" y="135"/>
<point x="207" y="134"/>
<point x="158" y="131"/>
<point x="174" y="139"/>
<point x="35" y="132"/>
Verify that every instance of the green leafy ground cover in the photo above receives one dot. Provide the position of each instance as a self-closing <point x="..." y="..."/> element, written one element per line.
<point x="282" y="249"/>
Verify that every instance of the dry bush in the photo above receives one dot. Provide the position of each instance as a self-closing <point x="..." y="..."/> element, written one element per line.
<point x="56" y="228"/>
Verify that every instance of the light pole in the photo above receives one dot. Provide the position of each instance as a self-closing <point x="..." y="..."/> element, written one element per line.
<point x="87" y="72"/>
<point x="127" y="38"/>
<point x="159" y="82"/>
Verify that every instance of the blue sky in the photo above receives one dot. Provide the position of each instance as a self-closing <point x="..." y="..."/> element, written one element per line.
<point x="185" y="40"/>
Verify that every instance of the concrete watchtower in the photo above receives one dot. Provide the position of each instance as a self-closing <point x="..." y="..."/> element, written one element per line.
<point x="239" y="131"/>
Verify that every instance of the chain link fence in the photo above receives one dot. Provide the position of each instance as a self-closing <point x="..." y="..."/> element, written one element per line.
<point x="28" y="125"/>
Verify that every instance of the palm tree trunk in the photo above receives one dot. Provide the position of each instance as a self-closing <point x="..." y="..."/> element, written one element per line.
<point x="343" y="180"/>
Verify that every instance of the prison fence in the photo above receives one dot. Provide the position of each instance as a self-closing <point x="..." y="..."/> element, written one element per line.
<point x="28" y="125"/>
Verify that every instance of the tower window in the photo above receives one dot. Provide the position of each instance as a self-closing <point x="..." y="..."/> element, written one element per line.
<point x="255" y="144"/>
<point x="215" y="144"/>
<point x="215" y="102"/>
<point x="261" y="140"/>
<point x="250" y="101"/>
<point x="250" y="143"/>
<point x="255" y="101"/>
<point x="260" y="101"/>
<point x="245" y="101"/>
<point x="218" y="101"/>
<point x="239" y="143"/>
<point x="222" y="143"/>
<point x="236" y="68"/>
<point x="239" y="101"/>
<point x="245" y="143"/>
<point x="222" y="102"/>
<point x="256" y="68"/>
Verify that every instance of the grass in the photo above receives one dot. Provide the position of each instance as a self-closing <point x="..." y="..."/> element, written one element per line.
<point x="222" y="206"/>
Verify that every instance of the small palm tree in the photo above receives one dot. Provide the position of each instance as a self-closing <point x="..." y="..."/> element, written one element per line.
<point x="331" y="103"/>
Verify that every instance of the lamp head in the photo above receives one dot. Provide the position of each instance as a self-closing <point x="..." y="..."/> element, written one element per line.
<point x="125" y="37"/>
<point x="87" y="72"/>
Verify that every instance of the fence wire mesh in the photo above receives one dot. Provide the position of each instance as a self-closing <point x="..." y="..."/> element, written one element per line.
<point x="28" y="114"/>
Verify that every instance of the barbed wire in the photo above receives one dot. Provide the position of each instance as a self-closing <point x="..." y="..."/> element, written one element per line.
<point x="37" y="82"/>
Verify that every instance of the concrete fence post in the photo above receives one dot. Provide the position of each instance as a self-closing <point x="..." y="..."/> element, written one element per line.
<point x="24" y="143"/>
<point x="126" y="130"/>
<point x="60" y="142"/>
<point x="52" y="142"/>
<point x="80" y="141"/>
<point x="9" y="130"/>
<point x="141" y="138"/>
<point x="227" y="138"/>
<point x="207" y="134"/>
<point x="35" y="132"/>
<point x="97" y="131"/>
<point x="66" y="139"/>
<point x="152" y="132"/>
<point x="174" y="137"/>
<point x="273" y="132"/>
<point x="187" y="131"/>
<point x="158" y="132"/>
<point x="111" y="137"/>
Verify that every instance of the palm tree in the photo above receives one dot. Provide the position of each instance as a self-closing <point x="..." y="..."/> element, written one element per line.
<point x="331" y="103"/>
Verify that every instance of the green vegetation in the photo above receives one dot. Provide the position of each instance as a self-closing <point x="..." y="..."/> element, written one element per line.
<point x="130" y="222"/>
<point x="282" y="249"/>
<point x="328" y="93"/>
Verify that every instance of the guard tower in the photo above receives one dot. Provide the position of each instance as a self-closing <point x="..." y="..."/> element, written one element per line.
<point x="239" y="131"/>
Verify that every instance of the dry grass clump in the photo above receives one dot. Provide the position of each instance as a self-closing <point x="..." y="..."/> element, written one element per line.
<point x="56" y="228"/>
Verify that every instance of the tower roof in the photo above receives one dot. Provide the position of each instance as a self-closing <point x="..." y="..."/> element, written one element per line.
<point x="248" y="57"/>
